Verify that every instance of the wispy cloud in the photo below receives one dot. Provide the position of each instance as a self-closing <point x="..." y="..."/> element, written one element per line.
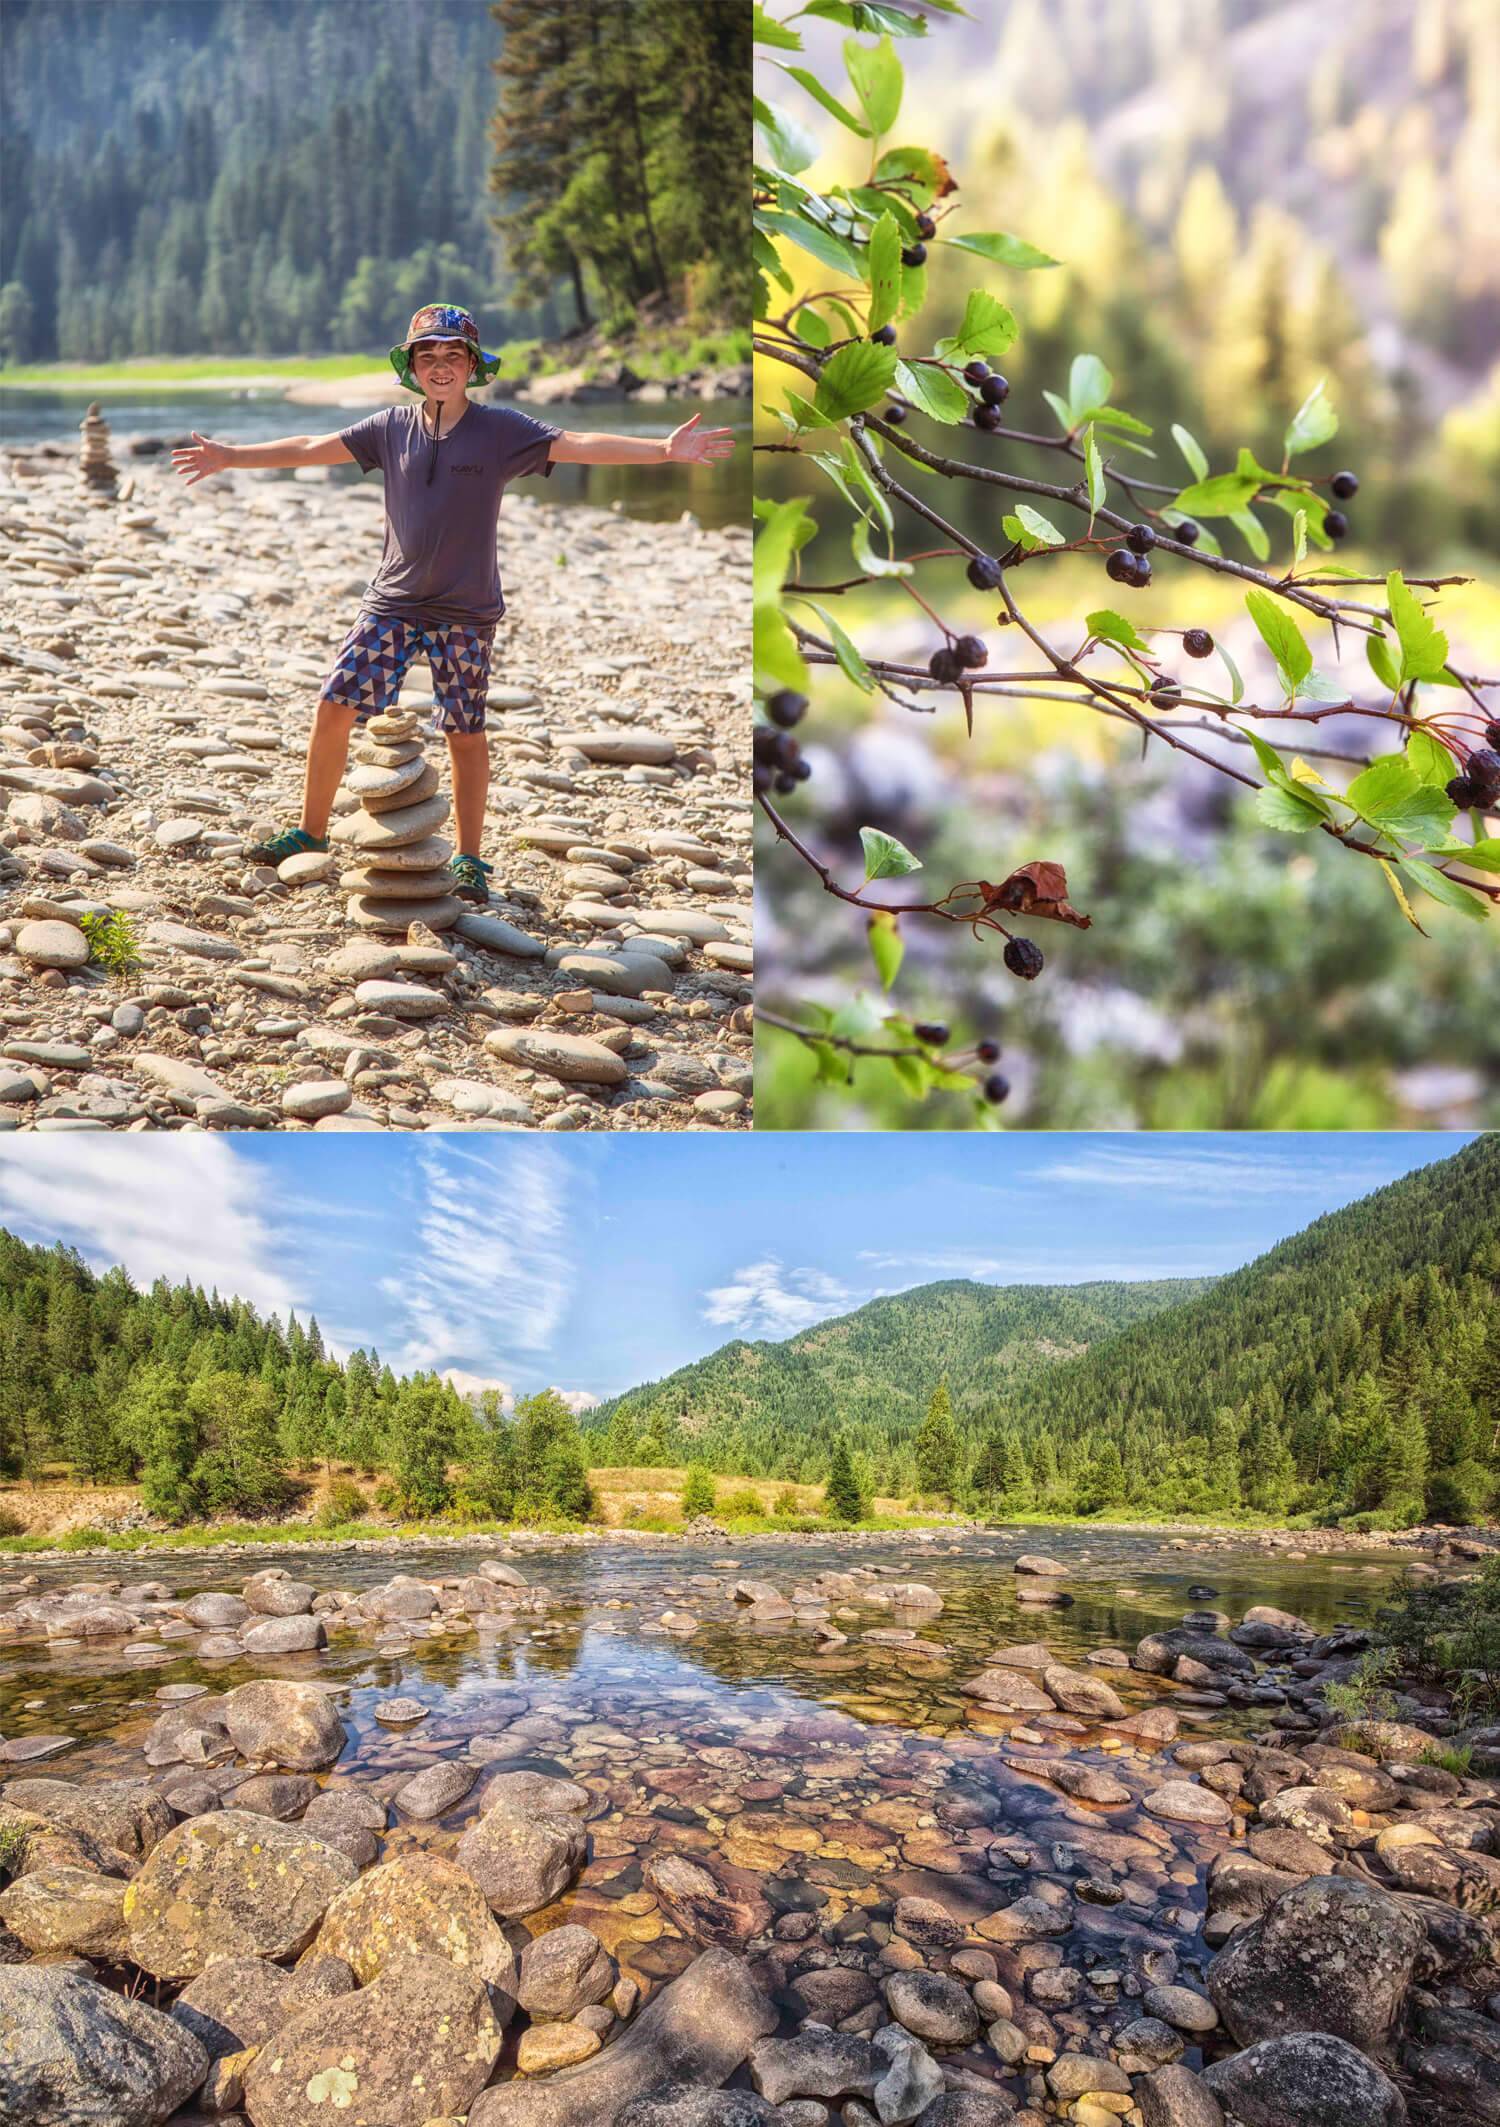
<point x="767" y="1300"/>
<point x="1207" y="1174"/>
<point x="474" y="1385"/>
<point x="487" y="1269"/>
<point x="1055" y="1267"/>
<point x="201" y="1213"/>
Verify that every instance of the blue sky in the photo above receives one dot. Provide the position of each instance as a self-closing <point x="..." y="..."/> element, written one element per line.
<point x="592" y="1263"/>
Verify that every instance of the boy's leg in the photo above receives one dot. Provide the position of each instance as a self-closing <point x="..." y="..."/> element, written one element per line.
<point x="469" y="756"/>
<point x="327" y="752"/>
<point x="459" y="657"/>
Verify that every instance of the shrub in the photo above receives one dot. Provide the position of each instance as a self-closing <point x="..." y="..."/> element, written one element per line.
<point x="698" y="1492"/>
<point x="787" y="1501"/>
<point x="1458" y="1497"/>
<point x="11" y="1523"/>
<point x="1453" y="1758"/>
<point x="1364" y="1696"/>
<point x="344" y="1501"/>
<point x="741" y="1502"/>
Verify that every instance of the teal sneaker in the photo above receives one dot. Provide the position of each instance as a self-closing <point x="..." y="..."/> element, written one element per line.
<point x="470" y="877"/>
<point x="296" y="842"/>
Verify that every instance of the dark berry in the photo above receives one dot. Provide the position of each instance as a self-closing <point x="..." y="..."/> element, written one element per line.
<point x="1198" y="642"/>
<point x="767" y="742"/>
<point x="970" y="651"/>
<point x="932" y="1031"/>
<point x="1185" y="534"/>
<point x="986" y="417"/>
<point x="996" y="1087"/>
<point x="976" y="371"/>
<point x="1462" y="792"/>
<point x="1125" y="567"/>
<point x="995" y="390"/>
<point x="1166" y="694"/>
<point x="1140" y="539"/>
<point x="1023" y="958"/>
<point x="988" y="1052"/>
<point x="984" y="572"/>
<point x="786" y="708"/>
<point x="786" y="784"/>
<point x="1344" y="485"/>
<point x="926" y="226"/>
<point x="1484" y="772"/>
<point x="914" y="255"/>
<point x="885" y="337"/>
<point x="944" y="665"/>
<point x="760" y="777"/>
<point x="800" y="770"/>
<point x="895" y="415"/>
<point x="1335" y="524"/>
<point x="1492" y="732"/>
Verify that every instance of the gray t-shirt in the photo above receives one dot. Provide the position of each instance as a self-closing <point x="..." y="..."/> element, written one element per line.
<point x="440" y="563"/>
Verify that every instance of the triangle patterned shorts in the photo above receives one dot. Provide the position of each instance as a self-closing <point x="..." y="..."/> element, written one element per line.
<point x="379" y="649"/>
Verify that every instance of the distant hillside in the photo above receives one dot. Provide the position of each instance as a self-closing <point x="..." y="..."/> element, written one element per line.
<point x="1352" y="1369"/>
<point x="770" y="1409"/>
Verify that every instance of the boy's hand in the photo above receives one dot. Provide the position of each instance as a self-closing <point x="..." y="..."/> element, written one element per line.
<point x="197" y="460"/>
<point x="690" y="445"/>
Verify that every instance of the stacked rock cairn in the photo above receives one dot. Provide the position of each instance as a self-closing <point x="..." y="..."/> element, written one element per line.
<point x="398" y="874"/>
<point x="96" y="471"/>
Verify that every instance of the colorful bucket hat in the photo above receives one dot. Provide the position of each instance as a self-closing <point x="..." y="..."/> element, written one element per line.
<point x="441" y="321"/>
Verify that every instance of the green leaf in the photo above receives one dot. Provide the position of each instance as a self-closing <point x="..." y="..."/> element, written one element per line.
<point x="1424" y="648"/>
<point x="988" y="328"/>
<point x="1384" y="783"/>
<point x="859" y="475"/>
<point x="809" y="81"/>
<point x="778" y="661"/>
<point x="885" y="272"/>
<point x="853" y="379"/>
<point x="1272" y="765"/>
<point x="867" y="560"/>
<point x="805" y="414"/>
<point x="1113" y="417"/>
<point x="918" y="167"/>
<point x="1299" y="536"/>
<point x="1483" y="855"/>
<point x="1192" y="450"/>
<point x="885" y="857"/>
<point x="887" y="946"/>
<point x="1313" y="422"/>
<point x="1390" y="795"/>
<point x="1253" y="532"/>
<point x="851" y="663"/>
<point x="1060" y="408"/>
<point x="1094" y="466"/>
<point x="1316" y="686"/>
<point x="768" y="31"/>
<point x="1282" y="637"/>
<point x="820" y="243"/>
<point x="1292" y="811"/>
<point x="1236" y="684"/>
<point x="790" y="146"/>
<point x="1429" y="759"/>
<point x="1031" y="528"/>
<point x="1449" y="891"/>
<point x="1381" y="663"/>
<point x="933" y="392"/>
<point x="1001" y="250"/>
<point x="1115" y="628"/>
<point x="1219" y="497"/>
<point x="913" y="1075"/>
<point x="877" y="78"/>
<point x="834" y="1067"/>
<point x="1088" y="387"/>
<point x="868" y="15"/>
<point x="784" y="529"/>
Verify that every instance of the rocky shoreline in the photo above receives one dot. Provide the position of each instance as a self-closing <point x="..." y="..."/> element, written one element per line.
<point x="1139" y="1921"/>
<point x="160" y="654"/>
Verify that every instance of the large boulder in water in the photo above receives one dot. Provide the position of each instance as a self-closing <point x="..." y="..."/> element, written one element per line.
<point x="1159" y="1652"/>
<point x="230" y="1885"/>
<point x="72" y="2054"/>
<point x="124" y="1814"/>
<point x="215" y="1612"/>
<point x="418" y="1905"/>
<point x="1306" y="2079"/>
<point x="1330" y="1955"/>
<point x="286" y="1724"/>
<point x="275" y="1594"/>
<point x="522" y="1862"/>
<point x="66" y="1912"/>
<point x="563" y="1971"/>
<point x="695" y="2032"/>
<point x="417" y="2044"/>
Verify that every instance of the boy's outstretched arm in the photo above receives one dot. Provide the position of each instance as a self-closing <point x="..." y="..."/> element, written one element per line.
<point x="688" y="445"/>
<point x="197" y="460"/>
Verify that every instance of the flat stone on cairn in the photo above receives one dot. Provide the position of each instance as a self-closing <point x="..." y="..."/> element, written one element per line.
<point x="398" y="876"/>
<point x="96" y="470"/>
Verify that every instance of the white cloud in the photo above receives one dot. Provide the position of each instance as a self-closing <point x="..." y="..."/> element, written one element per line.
<point x="472" y="1386"/>
<point x="487" y="1268"/>
<point x="1209" y="1175"/>
<point x="1039" y="1267"/>
<point x="188" y="1209"/>
<point x="578" y="1399"/>
<point x="766" y="1300"/>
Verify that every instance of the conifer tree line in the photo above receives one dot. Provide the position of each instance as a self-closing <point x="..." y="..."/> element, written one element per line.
<point x="219" y="1410"/>
<point x="206" y="177"/>
<point x="1351" y="1372"/>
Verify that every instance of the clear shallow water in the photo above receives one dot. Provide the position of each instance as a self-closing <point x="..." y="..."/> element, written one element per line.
<point x="717" y="495"/>
<point x="831" y="1783"/>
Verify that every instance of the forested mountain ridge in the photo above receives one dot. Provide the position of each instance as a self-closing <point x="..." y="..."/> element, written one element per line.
<point x="1352" y="1369"/>
<point x="769" y="1409"/>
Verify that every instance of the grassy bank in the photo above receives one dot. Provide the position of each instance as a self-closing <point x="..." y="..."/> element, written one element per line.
<point x="662" y="352"/>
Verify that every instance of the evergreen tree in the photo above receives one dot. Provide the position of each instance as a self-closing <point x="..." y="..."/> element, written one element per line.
<point x="423" y="1441"/>
<point x="841" y="1500"/>
<point x="937" y="1447"/>
<point x="698" y="1491"/>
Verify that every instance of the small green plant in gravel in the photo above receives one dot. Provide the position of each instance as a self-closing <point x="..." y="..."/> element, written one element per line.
<point x="113" y="944"/>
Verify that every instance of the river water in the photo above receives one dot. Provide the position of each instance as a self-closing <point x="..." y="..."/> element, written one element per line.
<point x="829" y="1783"/>
<point x="716" y="495"/>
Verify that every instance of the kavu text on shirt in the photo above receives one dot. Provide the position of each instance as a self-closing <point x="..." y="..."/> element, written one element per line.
<point x="440" y="563"/>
